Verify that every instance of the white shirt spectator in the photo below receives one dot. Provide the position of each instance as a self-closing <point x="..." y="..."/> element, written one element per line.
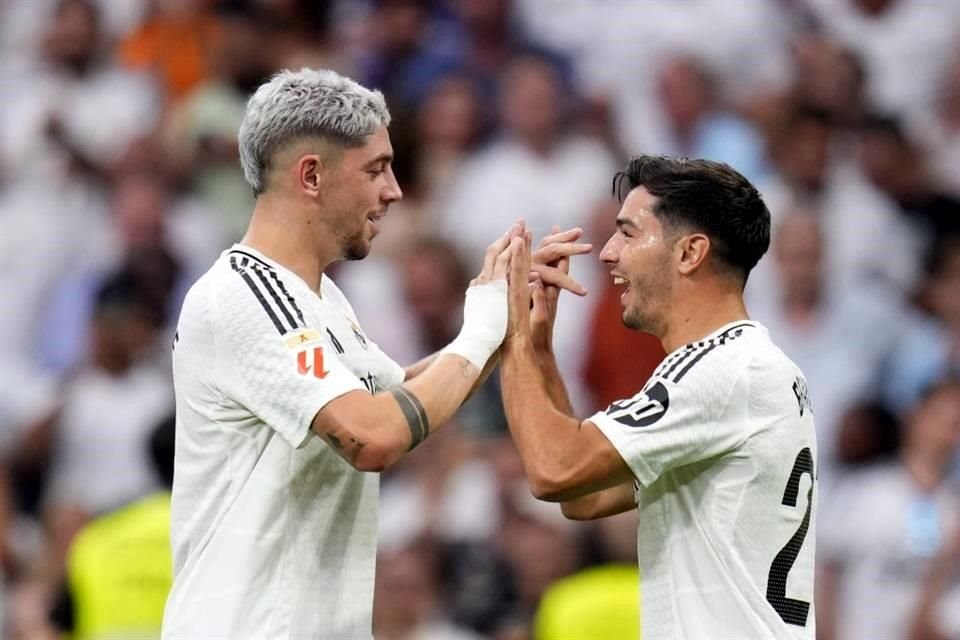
<point x="100" y="458"/>
<point x="905" y="49"/>
<point x="881" y="529"/>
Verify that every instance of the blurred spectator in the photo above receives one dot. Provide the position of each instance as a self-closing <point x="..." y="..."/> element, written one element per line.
<point x="202" y="130"/>
<point x="930" y="348"/>
<point x="931" y="617"/>
<point x="883" y="525"/>
<point x="408" y="600"/>
<point x="92" y="441"/>
<point x="172" y="43"/>
<point x="940" y="128"/>
<point x="119" y="565"/>
<point x="487" y="37"/>
<point x="896" y="165"/>
<point x="904" y="45"/>
<point x="690" y="121"/>
<point x="538" y="171"/>
<point x="813" y="172"/>
<point x="539" y="554"/>
<point x="868" y="433"/>
<point x="74" y="114"/>
<point x="302" y="35"/>
<point x="163" y="241"/>
<point x="429" y="149"/>
<point x="830" y="79"/>
<point x="839" y="339"/>
<point x="404" y="58"/>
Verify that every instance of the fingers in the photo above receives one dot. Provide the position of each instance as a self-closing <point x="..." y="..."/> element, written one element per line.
<point x="494" y="251"/>
<point x="501" y="264"/>
<point x="558" y="278"/>
<point x="556" y="235"/>
<point x="554" y="251"/>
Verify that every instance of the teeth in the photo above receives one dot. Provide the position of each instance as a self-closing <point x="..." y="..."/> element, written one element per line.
<point x="619" y="280"/>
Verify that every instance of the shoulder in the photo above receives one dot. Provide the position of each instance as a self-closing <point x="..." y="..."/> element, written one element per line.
<point x="330" y="291"/>
<point x="725" y="354"/>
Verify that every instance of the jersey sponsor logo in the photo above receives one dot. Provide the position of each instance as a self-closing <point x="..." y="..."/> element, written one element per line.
<point x="302" y="338"/>
<point x="643" y="409"/>
<point x="311" y="361"/>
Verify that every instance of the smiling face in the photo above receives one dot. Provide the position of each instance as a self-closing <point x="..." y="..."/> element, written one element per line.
<point x="640" y="259"/>
<point x="357" y="190"/>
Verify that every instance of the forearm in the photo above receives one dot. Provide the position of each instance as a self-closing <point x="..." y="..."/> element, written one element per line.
<point x="553" y="383"/>
<point x="371" y="433"/>
<point x="600" y="504"/>
<point x="539" y="429"/>
<point x="421" y="365"/>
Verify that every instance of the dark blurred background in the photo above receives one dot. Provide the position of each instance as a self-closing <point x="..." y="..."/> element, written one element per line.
<point x="120" y="184"/>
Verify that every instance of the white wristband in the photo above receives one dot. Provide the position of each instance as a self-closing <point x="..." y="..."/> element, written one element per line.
<point x="484" y="323"/>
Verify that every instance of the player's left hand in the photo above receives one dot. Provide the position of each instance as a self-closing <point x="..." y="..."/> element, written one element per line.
<point x="518" y="293"/>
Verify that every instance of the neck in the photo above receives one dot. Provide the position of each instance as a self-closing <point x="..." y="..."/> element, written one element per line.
<point x="926" y="468"/>
<point x="284" y="231"/>
<point x="694" y="317"/>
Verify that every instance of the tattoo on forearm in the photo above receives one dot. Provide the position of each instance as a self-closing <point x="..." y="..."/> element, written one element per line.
<point x="465" y="368"/>
<point x="334" y="440"/>
<point x="415" y="414"/>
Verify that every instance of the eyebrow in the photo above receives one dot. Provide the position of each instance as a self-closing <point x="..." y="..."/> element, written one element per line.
<point x="385" y="157"/>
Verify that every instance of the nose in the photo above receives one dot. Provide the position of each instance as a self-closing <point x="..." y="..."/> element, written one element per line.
<point x="392" y="193"/>
<point x="610" y="251"/>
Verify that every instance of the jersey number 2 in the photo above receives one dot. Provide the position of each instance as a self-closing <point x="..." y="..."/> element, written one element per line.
<point x="792" y="611"/>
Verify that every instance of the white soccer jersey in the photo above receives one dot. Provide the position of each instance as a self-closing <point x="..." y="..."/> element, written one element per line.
<point x="273" y="534"/>
<point x="721" y="441"/>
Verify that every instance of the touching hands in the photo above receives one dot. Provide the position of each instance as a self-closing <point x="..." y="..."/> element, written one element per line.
<point x="485" y="314"/>
<point x="549" y="272"/>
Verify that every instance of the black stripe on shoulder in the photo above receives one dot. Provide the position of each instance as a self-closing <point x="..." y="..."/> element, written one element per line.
<point x="732" y="333"/>
<point x="251" y="257"/>
<point x="290" y="298"/>
<point x="670" y="359"/>
<point x="256" y="291"/>
<point x="257" y="269"/>
<point x="689" y="351"/>
<point x="289" y="305"/>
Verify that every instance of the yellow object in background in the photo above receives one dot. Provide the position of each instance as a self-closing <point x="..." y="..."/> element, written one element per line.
<point x="120" y="570"/>
<point x="599" y="603"/>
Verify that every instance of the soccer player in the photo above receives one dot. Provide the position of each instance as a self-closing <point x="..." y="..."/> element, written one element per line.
<point x="283" y="403"/>
<point x="717" y="450"/>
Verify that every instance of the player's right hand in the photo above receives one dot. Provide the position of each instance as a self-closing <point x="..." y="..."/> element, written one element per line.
<point x="551" y="260"/>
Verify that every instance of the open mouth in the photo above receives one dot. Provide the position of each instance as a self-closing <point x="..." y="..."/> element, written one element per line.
<point x="620" y="281"/>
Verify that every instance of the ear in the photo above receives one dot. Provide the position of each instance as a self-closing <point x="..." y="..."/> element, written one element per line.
<point x="693" y="252"/>
<point x="310" y="170"/>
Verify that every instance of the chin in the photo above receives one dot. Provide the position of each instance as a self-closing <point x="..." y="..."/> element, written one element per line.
<point x="632" y="319"/>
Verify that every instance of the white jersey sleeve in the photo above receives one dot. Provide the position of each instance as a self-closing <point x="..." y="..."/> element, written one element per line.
<point x="677" y="418"/>
<point x="280" y="369"/>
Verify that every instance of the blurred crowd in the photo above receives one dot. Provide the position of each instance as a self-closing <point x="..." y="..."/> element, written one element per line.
<point x="120" y="184"/>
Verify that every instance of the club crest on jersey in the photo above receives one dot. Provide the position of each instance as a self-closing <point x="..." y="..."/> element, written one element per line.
<point x="310" y="362"/>
<point x="359" y="335"/>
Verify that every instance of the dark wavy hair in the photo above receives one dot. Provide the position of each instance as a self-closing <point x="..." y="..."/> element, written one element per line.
<point x="705" y="196"/>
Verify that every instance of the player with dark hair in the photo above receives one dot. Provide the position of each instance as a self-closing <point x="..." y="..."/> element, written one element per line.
<point x="717" y="451"/>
